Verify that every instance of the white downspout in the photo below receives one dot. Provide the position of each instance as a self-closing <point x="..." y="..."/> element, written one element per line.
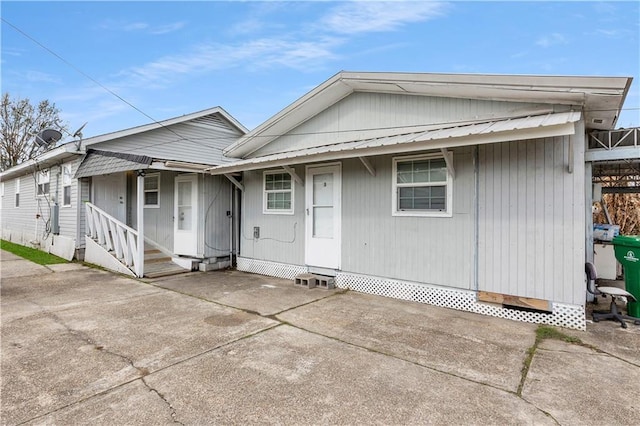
<point x="231" y="215"/>
<point x="140" y="220"/>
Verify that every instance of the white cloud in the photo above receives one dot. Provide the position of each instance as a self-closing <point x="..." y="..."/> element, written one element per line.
<point x="11" y="51"/>
<point x="261" y="53"/>
<point x="111" y="25"/>
<point x="169" y="28"/>
<point x="135" y="26"/>
<point x="363" y="16"/>
<point x="551" y="40"/>
<point x="41" y="77"/>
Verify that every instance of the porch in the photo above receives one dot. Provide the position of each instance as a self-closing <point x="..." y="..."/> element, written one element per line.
<point x="115" y="246"/>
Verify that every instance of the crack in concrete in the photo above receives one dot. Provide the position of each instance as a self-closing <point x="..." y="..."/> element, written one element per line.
<point x="106" y="391"/>
<point x="245" y="310"/>
<point x="141" y="370"/>
<point x="274" y="317"/>
<point x="597" y="351"/>
<point x="85" y="337"/>
<point x="174" y="414"/>
<point x="416" y="363"/>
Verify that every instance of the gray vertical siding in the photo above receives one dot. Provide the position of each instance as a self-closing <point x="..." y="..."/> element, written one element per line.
<point x="529" y="238"/>
<point x="422" y="249"/>
<point x="433" y="250"/>
<point x="531" y="219"/>
<point x="84" y="191"/>
<point x="189" y="142"/>
<point x="214" y="202"/>
<point x="158" y="222"/>
<point x="366" y="115"/>
<point x="68" y="214"/>
<point x="21" y="221"/>
<point x="281" y="235"/>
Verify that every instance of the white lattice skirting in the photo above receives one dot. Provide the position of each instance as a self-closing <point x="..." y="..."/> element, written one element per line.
<point x="272" y="269"/>
<point x="563" y="315"/>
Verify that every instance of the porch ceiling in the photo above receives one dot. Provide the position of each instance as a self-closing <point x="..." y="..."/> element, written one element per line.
<point x="98" y="162"/>
<point x="544" y="125"/>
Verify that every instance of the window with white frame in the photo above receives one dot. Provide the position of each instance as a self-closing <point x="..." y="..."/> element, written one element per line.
<point x="152" y="190"/>
<point x="278" y="193"/>
<point x="18" y="192"/>
<point x="43" y="183"/>
<point x="66" y="185"/>
<point x="422" y="186"/>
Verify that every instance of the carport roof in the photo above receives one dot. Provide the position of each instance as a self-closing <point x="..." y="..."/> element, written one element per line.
<point x="511" y="129"/>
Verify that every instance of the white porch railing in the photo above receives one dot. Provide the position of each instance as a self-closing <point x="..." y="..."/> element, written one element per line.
<point x="115" y="237"/>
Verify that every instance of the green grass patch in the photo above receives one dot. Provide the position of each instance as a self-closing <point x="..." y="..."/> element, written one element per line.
<point x="543" y="332"/>
<point x="548" y="332"/>
<point x="37" y="256"/>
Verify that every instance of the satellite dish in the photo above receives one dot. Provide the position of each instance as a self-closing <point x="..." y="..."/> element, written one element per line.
<point x="48" y="137"/>
<point x="78" y="133"/>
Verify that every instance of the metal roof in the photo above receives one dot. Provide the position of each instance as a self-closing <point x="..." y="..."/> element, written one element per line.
<point x="104" y="162"/>
<point x="511" y="129"/>
<point x="600" y="98"/>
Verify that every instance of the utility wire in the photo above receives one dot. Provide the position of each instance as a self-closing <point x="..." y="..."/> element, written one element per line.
<point x="232" y="138"/>
<point x="78" y="70"/>
<point x="457" y="123"/>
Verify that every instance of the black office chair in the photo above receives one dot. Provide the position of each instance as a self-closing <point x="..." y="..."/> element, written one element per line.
<point x="613" y="313"/>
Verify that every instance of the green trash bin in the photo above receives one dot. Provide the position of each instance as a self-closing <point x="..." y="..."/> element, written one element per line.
<point x="627" y="249"/>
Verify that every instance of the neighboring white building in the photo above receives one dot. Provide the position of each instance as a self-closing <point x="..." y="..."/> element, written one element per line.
<point x="152" y="173"/>
<point x="35" y="188"/>
<point x="463" y="191"/>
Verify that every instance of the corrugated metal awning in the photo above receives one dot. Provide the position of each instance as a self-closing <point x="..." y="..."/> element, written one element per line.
<point x="97" y="162"/>
<point x="510" y="129"/>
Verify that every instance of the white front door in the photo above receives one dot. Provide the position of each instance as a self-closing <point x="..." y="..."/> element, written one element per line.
<point x="109" y="193"/>
<point x="185" y="235"/>
<point x="323" y="216"/>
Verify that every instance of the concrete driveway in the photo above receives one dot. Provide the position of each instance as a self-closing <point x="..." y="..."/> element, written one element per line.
<point x="84" y="346"/>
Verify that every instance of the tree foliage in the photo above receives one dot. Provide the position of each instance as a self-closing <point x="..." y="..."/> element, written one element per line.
<point x="21" y="121"/>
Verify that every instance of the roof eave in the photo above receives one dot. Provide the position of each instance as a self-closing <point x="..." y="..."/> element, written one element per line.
<point x="247" y="144"/>
<point x="564" y="90"/>
<point x="549" y="125"/>
<point x="44" y="160"/>
<point x="160" y="124"/>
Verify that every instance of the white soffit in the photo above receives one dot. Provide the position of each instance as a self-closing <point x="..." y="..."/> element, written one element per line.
<point x="538" y="126"/>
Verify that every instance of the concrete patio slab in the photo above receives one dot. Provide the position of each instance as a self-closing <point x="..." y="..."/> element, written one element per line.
<point x="46" y="366"/>
<point x="68" y="336"/>
<point x="444" y="339"/>
<point x="10" y="268"/>
<point x="289" y="376"/>
<point x="581" y="386"/>
<point x="158" y="330"/>
<point x="84" y="346"/>
<point x="5" y="255"/>
<point x="63" y="267"/>
<point x="609" y="337"/>
<point x="251" y="292"/>
<point x="63" y="290"/>
<point x="130" y="404"/>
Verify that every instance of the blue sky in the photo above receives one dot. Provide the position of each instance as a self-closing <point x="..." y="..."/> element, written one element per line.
<point x="255" y="58"/>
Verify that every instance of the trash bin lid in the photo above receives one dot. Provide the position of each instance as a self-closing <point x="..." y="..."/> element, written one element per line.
<point x="627" y="240"/>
